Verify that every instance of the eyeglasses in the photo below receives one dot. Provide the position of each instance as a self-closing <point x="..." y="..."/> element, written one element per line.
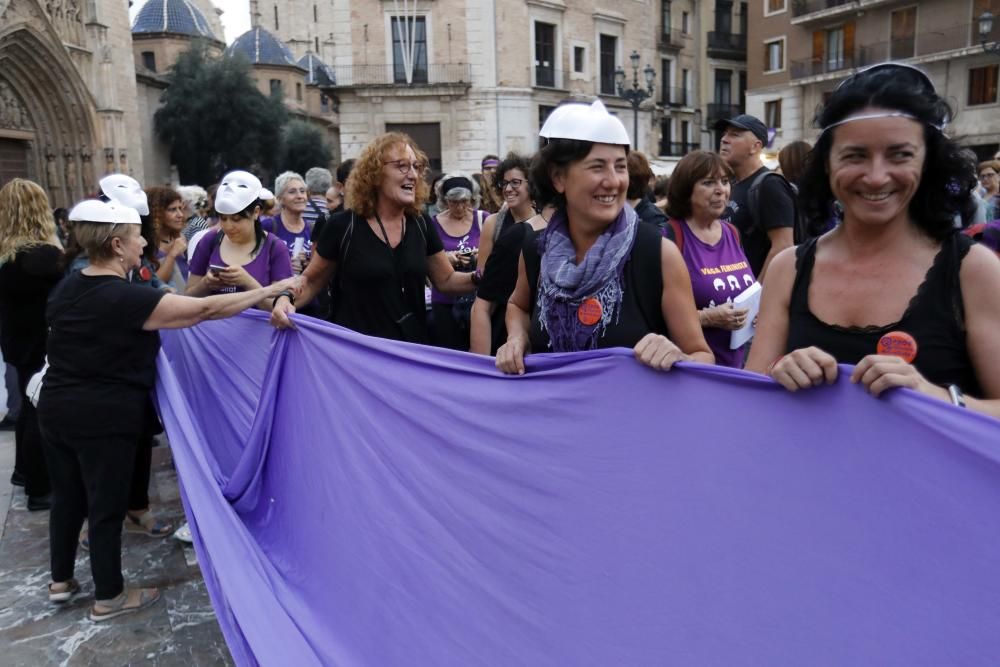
<point x="514" y="183"/>
<point x="404" y="166"/>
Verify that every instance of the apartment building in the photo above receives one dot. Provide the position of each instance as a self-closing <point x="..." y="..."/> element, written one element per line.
<point x="702" y="50"/>
<point x="800" y="50"/>
<point x="468" y="77"/>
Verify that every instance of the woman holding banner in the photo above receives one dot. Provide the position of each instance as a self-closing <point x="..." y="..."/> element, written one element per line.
<point x="894" y="289"/>
<point x="380" y="250"/>
<point x="93" y="406"/>
<point x="596" y="278"/>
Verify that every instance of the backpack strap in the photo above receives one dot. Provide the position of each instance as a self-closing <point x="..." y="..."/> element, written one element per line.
<point x="677" y="233"/>
<point x="735" y="231"/>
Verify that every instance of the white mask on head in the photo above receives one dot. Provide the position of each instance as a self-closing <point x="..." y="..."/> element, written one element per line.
<point x="95" y="210"/>
<point x="238" y="190"/>
<point x="126" y="191"/>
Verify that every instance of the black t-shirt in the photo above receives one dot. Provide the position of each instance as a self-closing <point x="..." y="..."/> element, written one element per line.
<point x="935" y="318"/>
<point x="500" y="277"/>
<point x="649" y="213"/>
<point x="777" y="210"/>
<point x="102" y="364"/>
<point x="379" y="290"/>
<point x="642" y="280"/>
<point x="25" y="283"/>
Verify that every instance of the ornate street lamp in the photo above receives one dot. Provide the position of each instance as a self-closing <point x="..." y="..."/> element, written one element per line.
<point x="635" y="95"/>
<point x="985" y="28"/>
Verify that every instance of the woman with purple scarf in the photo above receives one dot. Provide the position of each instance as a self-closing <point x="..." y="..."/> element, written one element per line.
<point x="596" y="278"/>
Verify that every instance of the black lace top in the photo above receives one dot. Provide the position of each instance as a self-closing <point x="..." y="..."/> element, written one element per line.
<point x="935" y="317"/>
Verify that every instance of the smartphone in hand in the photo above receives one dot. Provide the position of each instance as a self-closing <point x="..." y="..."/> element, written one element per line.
<point x="215" y="269"/>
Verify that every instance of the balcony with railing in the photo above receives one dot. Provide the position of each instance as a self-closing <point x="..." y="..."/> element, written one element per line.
<point x="728" y="45"/>
<point x="718" y="111"/>
<point x="361" y="76"/>
<point x="914" y="48"/>
<point x="674" y="97"/>
<point x="804" y="8"/>
<point x="677" y="148"/>
<point x="671" y="39"/>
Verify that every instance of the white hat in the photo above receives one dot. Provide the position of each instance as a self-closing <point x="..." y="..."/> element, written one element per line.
<point x="585" y="123"/>
<point x="238" y="190"/>
<point x="126" y="191"/>
<point x="95" y="210"/>
<point x="265" y="194"/>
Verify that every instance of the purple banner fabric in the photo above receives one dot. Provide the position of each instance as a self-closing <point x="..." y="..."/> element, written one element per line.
<point x="357" y="501"/>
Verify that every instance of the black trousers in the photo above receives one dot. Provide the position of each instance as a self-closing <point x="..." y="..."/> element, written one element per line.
<point x="91" y="478"/>
<point x="138" y="495"/>
<point x="445" y="331"/>
<point x="29" y="458"/>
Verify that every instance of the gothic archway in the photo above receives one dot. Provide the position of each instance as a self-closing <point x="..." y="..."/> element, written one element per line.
<point x="45" y="103"/>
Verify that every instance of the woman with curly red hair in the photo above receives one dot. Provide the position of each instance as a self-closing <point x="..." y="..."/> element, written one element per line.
<point x="380" y="249"/>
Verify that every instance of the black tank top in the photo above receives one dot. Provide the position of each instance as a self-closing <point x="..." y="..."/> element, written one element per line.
<point x="935" y="317"/>
<point x="642" y="282"/>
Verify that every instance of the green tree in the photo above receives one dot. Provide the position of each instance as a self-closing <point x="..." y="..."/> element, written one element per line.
<point x="214" y="119"/>
<point x="303" y="147"/>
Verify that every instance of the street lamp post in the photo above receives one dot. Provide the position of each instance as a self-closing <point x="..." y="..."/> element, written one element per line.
<point x="985" y="28"/>
<point x="635" y="95"/>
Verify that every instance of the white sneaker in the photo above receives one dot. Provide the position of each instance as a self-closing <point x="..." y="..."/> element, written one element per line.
<point x="184" y="534"/>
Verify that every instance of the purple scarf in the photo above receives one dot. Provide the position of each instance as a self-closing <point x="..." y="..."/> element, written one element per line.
<point x="563" y="284"/>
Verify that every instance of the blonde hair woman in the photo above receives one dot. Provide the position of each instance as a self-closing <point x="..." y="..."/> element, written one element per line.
<point x="30" y="255"/>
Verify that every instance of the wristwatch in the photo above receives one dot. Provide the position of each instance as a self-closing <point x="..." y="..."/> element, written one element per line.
<point x="288" y="293"/>
<point x="957" y="398"/>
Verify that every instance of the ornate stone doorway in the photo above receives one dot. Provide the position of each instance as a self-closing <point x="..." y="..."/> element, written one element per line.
<point x="13" y="160"/>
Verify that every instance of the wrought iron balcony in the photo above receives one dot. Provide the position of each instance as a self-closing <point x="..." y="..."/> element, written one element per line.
<point x="816" y="66"/>
<point x="803" y="7"/>
<point x="717" y="112"/>
<point x="674" y="97"/>
<point x="672" y="39"/>
<point x="677" y="148"/>
<point x="357" y="76"/>
<point x="728" y="45"/>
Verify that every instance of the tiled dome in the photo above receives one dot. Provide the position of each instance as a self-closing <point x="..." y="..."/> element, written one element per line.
<point x="261" y="48"/>
<point x="318" y="71"/>
<point x="176" y="16"/>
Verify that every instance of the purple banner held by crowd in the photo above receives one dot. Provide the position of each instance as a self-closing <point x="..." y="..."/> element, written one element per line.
<point x="357" y="501"/>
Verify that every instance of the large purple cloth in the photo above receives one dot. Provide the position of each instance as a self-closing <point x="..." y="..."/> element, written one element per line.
<point x="359" y="501"/>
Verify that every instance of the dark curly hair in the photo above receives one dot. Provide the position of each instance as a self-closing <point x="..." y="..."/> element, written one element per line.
<point x="556" y="154"/>
<point x="948" y="175"/>
<point x="512" y="161"/>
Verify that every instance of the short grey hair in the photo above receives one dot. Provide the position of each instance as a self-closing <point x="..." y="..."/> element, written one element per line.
<point x="318" y="180"/>
<point x="282" y="181"/>
<point x="457" y="194"/>
<point x="193" y="195"/>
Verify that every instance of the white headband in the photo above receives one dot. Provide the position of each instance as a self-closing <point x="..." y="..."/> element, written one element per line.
<point x="878" y="114"/>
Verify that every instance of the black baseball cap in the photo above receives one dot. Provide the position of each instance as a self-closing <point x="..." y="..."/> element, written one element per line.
<point x="745" y="122"/>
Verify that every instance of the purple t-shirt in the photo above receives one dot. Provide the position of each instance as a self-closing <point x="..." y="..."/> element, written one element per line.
<point x="468" y="241"/>
<point x="275" y="226"/>
<point x="718" y="274"/>
<point x="270" y="265"/>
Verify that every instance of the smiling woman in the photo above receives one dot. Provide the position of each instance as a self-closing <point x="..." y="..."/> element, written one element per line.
<point x="596" y="277"/>
<point x="381" y="250"/>
<point x="895" y="273"/>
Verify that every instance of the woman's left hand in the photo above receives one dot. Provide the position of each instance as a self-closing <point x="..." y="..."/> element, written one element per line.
<point x="879" y="372"/>
<point x="658" y="352"/>
<point x="237" y="276"/>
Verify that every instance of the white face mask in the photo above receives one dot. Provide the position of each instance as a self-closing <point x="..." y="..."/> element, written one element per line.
<point x="238" y="190"/>
<point x="126" y="191"/>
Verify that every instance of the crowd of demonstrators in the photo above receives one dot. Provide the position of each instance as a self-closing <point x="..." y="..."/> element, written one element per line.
<point x="166" y="209"/>
<point x="894" y="288"/>
<point x="458" y="226"/>
<point x="291" y="224"/>
<point x="380" y="250"/>
<point x="239" y="256"/>
<point x="499" y="252"/>
<point x="597" y="277"/>
<point x="719" y="269"/>
<point x="30" y="266"/>
<point x="94" y="406"/>
<point x="762" y="209"/>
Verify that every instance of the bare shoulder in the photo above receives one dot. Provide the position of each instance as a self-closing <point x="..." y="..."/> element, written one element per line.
<point x="980" y="272"/>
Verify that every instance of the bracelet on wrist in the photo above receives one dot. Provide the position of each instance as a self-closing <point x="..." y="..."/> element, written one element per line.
<point x="477" y="277"/>
<point x="285" y="293"/>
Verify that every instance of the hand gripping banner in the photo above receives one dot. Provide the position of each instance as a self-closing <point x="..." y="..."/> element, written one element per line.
<point x="357" y="501"/>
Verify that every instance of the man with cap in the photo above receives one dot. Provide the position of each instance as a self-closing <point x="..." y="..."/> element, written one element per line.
<point x="768" y="230"/>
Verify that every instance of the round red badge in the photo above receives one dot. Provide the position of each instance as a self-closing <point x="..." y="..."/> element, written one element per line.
<point x="145" y="273"/>
<point x="590" y="311"/>
<point x="898" y="344"/>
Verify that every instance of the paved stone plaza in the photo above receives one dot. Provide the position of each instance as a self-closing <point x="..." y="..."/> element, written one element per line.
<point x="179" y="630"/>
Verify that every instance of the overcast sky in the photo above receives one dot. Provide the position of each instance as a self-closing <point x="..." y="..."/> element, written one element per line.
<point x="235" y="16"/>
